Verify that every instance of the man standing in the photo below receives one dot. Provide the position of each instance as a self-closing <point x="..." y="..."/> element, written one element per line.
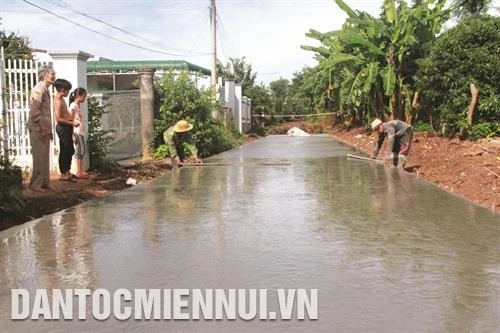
<point x="175" y="138"/>
<point x="399" y="135"/>
<point x="40" y="128"/>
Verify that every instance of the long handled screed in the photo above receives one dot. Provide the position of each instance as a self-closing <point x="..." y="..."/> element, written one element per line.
<point x="364" y="158"/>
<point x="212" y="164"/>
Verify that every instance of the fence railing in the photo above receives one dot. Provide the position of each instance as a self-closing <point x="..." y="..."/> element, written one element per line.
<point x="17" y="78"/>
<point x="124" y="120"/>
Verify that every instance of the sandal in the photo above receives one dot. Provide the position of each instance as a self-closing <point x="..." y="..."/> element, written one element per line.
<point x="83" y="175"/>
<point x="69" y="179"/>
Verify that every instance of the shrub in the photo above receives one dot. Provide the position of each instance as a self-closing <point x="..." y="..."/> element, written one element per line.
<point x="11" y="189"/>
<point x="98" y="139"/>
<point x="179" y="98"/>
<point x="260" y="131"/>
<point x="482" y="130"/>
<point x="423" y="127"/>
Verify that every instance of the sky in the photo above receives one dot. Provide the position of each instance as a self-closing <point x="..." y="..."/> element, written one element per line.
<point x="268" y="33"/>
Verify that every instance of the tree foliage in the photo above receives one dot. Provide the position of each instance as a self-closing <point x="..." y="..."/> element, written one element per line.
<point x="464" y="8"/>
<point x="98" y="140"/>
<point x="179" y="98"/>
<point x="370" y="63"/>
<point x="260" y="98"/>
<point x="301" y="92"/>
<point x="465" y="54"/>
<point x="239" y="70"/>
<point x="15" y="47"/>
<point x="279" y="96"/>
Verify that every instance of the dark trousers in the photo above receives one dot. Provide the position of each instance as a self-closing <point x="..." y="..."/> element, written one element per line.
<point x="180" y="152"/>
<point x="66" y="148"/>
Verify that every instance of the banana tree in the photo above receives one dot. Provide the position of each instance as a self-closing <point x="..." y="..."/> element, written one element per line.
<point x="377" y="56"/>
<point x="351" y="62"/>
<point x="408" y="31"/>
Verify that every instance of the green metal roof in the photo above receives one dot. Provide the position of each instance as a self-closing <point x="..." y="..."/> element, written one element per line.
<point x="103" y="66"/>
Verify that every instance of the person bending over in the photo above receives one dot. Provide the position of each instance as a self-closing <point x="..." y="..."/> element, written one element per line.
<point x="178" y="136"/>
<point x="399" y="135"/>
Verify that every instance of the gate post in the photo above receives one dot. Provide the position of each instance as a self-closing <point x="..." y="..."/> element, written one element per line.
<point x="147" y="110"/>
<point x="238" y="106"/>
<point x="72" y="66"/>
<point x="3" y="110"/>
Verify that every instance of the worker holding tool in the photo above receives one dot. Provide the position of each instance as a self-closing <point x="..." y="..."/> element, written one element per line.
<point x="178" y="137"/>
<point x="399" y="135"/>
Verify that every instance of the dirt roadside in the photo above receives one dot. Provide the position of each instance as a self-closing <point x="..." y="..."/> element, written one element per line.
<point x="64" y="194"/>
<point x="469" y="169"/>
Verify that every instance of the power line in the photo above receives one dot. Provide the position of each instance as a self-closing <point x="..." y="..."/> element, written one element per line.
<point x="197" y="39"/>
<point x="105" y="35"/>
<point x="69" y="7"/>
<point x="221" y="29"/>
<point x="66" y="5"/>
<point x="219" y="40"/>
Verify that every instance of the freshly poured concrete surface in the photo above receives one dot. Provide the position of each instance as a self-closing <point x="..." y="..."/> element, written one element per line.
<point x="387" y="252"/>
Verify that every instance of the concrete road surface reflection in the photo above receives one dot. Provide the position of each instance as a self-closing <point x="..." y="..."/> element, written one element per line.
<point x="387" y="252"/>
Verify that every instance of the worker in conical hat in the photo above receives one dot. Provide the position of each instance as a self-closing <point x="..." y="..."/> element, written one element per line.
<point x="177" y="138"/>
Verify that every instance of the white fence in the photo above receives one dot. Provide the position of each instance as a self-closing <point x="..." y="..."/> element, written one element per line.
<point x="17" y="78"/>
<point x="240" y="107"/>
<point x="246" y="115"/>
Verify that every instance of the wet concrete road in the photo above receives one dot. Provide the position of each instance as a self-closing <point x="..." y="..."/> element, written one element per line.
<point x="387" y="252"/>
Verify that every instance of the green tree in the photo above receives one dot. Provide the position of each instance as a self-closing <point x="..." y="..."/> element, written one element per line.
<point x="301" y="91"/>
<point x="371" y="62"/>
<point x="238" y="70"/>
<point x="464" y="8"/>
<point x="241" y="72"/>
<point x="260" y="97"/>
<point x="465" y="54"/>
<point x="279" y="96"/>
<point x="15" y="47"/>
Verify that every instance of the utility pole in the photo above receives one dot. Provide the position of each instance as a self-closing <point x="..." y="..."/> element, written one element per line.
<point x="213" y="22"/>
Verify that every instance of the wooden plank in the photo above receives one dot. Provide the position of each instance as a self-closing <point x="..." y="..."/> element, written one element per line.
<point x="364" y="158"/>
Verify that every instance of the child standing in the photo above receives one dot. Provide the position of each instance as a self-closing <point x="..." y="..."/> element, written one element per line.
<point x="64" y="128"/>
<point x="76" y="98"/>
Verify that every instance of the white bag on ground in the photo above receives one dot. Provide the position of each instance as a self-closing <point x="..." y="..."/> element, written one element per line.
<point x="295" y="131"/>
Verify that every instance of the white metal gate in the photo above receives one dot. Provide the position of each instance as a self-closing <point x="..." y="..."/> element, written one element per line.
<point x="17" y="78"/>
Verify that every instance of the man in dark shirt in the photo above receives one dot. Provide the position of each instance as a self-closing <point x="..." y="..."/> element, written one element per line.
<point x="399" y="135"/>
